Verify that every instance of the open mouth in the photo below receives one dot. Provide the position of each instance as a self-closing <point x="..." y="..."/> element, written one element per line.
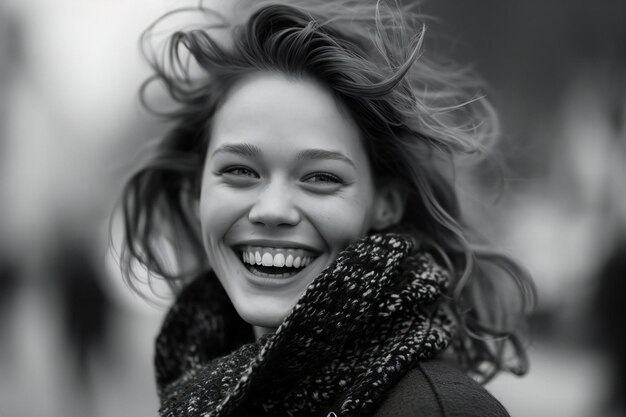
<point x="275" y="262"/>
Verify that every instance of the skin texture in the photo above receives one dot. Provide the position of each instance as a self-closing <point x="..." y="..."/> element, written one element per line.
<point x="323" y="203"/>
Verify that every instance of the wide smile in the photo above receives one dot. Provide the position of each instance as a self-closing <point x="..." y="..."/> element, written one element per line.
<point x="274" y="262"/>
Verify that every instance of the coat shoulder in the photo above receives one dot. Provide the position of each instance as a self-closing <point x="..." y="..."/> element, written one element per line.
<point x="439" y="389"/>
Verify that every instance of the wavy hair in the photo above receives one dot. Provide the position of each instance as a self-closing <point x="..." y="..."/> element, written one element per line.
<point x="417" y="114"/>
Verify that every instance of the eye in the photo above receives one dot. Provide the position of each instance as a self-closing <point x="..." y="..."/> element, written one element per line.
<point x="240" y="171"/>
<point x="322" y="178"/>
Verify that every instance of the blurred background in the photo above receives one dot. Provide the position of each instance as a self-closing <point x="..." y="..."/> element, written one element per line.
<point x="74" y="341"/>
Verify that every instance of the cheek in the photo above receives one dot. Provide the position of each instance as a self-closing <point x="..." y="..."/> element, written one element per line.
<point x="341" y="221"/>
<point x="220" y="208"/>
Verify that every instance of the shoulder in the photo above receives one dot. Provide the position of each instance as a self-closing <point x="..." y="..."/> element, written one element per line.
<point x="438" y="388"/>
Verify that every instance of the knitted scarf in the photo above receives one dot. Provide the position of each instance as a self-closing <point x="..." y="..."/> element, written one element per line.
<point x="361" y="324"/>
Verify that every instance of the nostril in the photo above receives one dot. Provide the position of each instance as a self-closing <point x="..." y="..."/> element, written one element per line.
<point x="274" y="214"/>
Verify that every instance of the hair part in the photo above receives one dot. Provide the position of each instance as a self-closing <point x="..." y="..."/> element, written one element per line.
<point x="416" y="116"/>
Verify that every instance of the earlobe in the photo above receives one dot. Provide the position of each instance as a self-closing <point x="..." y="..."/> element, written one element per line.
<point x="389" y="205"/>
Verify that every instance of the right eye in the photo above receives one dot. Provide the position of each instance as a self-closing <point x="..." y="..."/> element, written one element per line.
<point x="240" y="171"/>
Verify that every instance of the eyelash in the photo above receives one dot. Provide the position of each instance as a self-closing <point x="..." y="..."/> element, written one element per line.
<point x="333" y="178"/>
<point x="231" y="170"/>
<point x="330" y="178"/>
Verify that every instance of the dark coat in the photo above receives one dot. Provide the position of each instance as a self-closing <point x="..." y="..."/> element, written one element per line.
<point x="437" y="388"/>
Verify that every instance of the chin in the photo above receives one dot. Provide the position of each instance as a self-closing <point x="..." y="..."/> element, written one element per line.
<point x="263" y="314"/>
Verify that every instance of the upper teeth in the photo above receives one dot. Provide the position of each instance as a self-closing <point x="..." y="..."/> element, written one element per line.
<point x="264" y="258"/>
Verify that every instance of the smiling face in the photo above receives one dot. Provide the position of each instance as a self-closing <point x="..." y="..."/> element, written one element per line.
<point x="286" y="186"/>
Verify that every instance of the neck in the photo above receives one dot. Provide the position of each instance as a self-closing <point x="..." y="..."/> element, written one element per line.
<point x="260" y="331"/>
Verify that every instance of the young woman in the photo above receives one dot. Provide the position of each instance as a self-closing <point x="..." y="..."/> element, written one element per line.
<point x="324" y="263"/>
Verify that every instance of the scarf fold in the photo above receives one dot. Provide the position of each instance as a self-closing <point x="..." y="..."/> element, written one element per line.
<point x="364" y="322"/>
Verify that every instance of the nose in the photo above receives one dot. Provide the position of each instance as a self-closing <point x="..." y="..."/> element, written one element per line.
<point x="274" y="207"/>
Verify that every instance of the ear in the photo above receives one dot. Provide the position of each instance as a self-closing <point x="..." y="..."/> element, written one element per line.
<point x="194" y="207"/>
<point x="389" y="204"/>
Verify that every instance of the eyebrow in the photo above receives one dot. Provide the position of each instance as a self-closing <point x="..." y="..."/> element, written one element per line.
<point x="324" y="154"/>
<point x="242" y="149"/>
<point x="251" y="151"/>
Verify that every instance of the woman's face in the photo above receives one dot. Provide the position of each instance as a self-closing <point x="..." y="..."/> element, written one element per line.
<point x="286" y="186"/>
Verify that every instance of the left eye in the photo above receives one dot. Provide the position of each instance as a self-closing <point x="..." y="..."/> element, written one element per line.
<point x="323" y="177"/>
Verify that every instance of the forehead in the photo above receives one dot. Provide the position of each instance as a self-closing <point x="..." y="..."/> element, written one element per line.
<point x="281" y="111"/>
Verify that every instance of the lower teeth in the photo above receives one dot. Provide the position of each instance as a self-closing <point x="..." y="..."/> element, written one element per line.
<point x="255" y="271"/>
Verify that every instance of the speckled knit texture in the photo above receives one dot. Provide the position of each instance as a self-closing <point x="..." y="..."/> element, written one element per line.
<point x="364" y="322"/>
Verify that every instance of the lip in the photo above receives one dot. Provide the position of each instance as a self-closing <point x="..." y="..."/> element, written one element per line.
<point x="285" y="244"/>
